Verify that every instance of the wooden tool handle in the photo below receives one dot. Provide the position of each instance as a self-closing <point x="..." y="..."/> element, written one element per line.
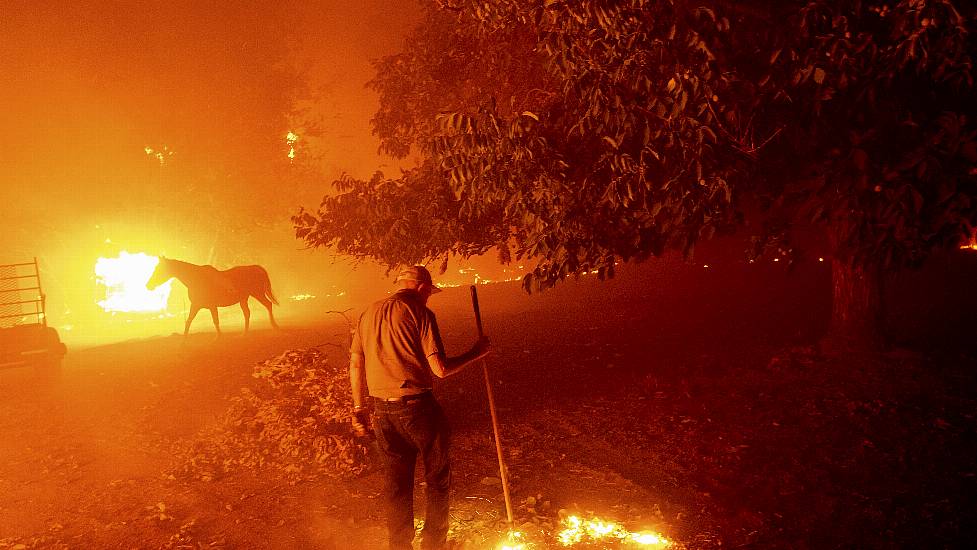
<point x="478" y="313"/>
<point x="503" y="472"/>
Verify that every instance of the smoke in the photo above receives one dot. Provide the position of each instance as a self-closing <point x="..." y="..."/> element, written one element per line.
<point x="212" y="93"/>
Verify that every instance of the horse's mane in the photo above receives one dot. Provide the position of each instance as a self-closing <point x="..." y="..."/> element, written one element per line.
<point x="183" y="263"/>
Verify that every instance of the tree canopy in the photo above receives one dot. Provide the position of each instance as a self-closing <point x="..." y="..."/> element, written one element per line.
<point x="878" y="140"/>
<point x="577" y="134"/>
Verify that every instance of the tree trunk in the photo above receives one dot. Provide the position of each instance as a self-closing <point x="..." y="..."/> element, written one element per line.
<point x="856" y="308"/>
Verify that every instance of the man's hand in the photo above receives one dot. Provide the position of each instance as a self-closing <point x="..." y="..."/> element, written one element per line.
<point x="361" y="422"/>
<point x="442" y="367"/>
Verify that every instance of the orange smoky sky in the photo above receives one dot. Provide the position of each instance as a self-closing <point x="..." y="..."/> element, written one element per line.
<point x="160" y="127"/>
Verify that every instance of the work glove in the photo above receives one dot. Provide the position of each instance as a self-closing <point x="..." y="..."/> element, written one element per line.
<point x="361" y="422"/>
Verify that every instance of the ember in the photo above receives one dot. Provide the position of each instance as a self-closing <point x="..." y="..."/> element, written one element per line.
<point x="290" y="139"/>
<point x="514" y="542"/>
<point x="579" y="530"/>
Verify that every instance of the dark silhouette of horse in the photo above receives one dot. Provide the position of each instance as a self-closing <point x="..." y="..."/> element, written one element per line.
<point x="211" y="288"/>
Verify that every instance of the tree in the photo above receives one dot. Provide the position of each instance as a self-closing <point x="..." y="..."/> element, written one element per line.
<point x="879" y="140"/>
<point x="534" y="142"/>
<point x="582" y="133"/>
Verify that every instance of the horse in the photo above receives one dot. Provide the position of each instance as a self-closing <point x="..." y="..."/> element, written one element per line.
<point x="210" y="288"/>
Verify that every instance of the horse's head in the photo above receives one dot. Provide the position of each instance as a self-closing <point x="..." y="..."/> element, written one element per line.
<point x="160" y="275"/>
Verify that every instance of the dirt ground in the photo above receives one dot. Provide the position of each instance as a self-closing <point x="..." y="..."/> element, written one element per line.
<point x="686" y="400"/>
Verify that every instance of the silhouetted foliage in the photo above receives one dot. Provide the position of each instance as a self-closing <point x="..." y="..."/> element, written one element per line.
<point x="582" y="133"/>
<point x="878" y="143"/>
<point x="544" y="139"/>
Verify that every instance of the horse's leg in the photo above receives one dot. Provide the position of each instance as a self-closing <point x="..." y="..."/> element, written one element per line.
<point x="247" y="314"/>
<point x="193" y="313"/>
<point x="267" y="303"/>
<point x="217" y="322"/>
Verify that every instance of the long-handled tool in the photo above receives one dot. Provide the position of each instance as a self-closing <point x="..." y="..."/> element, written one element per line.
<point x="495" y="421"/>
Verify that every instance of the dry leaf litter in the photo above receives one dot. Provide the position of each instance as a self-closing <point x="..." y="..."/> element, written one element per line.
<point x="294" y="419"/>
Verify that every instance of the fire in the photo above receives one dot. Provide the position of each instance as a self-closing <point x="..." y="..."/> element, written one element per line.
<point x="125" y="279"/>
<point x="159" y="154"/>
<point x="971" y="243"/>
<point x="578" y="530"/>
<point x="514" y="542"/>
<point x="290" y="139"/>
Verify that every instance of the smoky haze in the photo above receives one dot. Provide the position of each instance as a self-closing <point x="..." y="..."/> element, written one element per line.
<point x="161" y="128"/>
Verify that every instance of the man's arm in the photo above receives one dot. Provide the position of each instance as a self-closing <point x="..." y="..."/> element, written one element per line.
<point x="357" y="375"/>
<point x="357" y="380"/>
<point x="442" y="366"/>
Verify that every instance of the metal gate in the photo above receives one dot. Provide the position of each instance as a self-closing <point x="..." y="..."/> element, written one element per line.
<point x="25" y="337"/>
<point x="22" y="300"/>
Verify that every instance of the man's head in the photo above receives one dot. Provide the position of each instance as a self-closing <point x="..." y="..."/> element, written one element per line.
<point x="417" y="277"/>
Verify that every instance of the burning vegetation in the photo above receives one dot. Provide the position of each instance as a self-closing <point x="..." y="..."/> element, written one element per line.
<point x="595" y="529"/>
<point x="124" y="278"/>
<point x="590" y="532"/>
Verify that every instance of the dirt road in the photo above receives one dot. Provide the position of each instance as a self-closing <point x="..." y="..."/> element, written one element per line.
<point x="663" y="400"/>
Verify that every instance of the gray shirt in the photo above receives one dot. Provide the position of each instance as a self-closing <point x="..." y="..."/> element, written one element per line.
<point x="395" y="336"/>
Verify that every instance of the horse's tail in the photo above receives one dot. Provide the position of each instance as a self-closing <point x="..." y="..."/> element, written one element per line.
<point x="267" y="286"/>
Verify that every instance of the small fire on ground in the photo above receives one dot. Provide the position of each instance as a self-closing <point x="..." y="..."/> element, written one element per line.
<point x="971" y="243"/>
<point x="124" y="278"/>
<point x="577" y="530"/>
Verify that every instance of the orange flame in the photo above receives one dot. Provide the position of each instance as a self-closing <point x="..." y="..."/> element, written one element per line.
<point x="290" y="139"/>
<point x="514" y="541"/>
<point x="579" y="530"/>
<point x="125" y="280"/>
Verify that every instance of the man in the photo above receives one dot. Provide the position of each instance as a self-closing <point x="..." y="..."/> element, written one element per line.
<point x="396" y="349"/>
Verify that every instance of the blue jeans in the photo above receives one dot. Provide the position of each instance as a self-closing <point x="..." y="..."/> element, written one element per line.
<point x="403" y="431"/>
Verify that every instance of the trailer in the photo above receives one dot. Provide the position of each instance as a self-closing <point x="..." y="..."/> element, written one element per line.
<point x="25" y="337"/>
